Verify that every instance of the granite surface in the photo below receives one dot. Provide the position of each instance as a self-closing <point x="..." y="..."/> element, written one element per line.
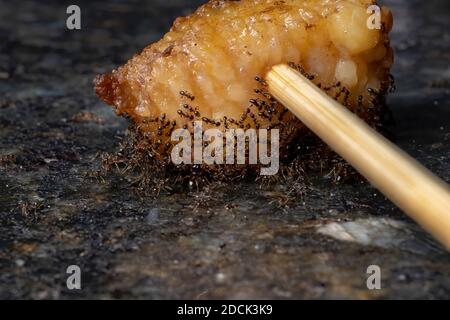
<point x="227" y="241"/>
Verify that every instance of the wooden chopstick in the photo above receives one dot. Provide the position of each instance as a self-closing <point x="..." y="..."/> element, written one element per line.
<point x="414" y="189"/>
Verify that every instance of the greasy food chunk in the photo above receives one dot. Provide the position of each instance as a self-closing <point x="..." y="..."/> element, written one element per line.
<point x="205" y="67"/>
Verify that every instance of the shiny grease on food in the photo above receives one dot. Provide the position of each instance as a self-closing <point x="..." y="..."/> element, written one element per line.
<point x="210" y="65"/>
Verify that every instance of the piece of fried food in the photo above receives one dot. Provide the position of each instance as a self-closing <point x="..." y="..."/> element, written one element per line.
<point x="205" y="67"/>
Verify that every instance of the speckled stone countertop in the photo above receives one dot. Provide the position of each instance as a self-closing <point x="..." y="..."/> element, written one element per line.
<point x="230" y="241"/>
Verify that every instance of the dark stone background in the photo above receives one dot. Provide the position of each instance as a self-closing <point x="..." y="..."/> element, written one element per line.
<point x="236" y="241"/>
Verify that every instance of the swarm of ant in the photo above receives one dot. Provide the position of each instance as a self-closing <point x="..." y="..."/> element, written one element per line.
<point x="149" y="171"/>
